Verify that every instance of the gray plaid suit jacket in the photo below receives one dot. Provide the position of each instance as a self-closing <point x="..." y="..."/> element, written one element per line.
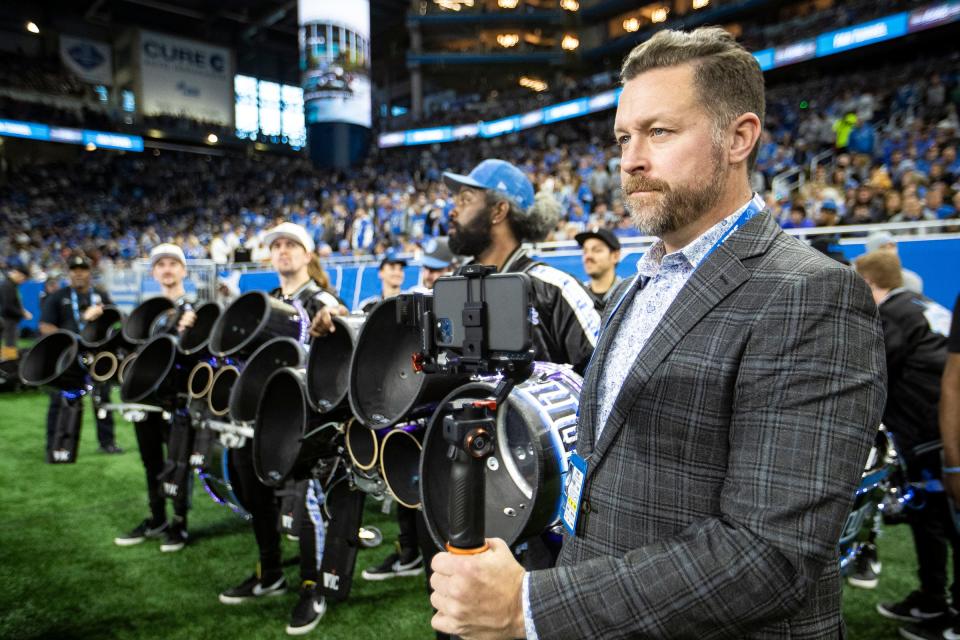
<point x="717" y="492"/>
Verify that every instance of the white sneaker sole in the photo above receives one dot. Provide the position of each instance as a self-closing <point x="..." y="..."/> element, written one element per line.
<point x="862" y="584"/>
<point x="378" y="577"/>
<point x="128" y="542"/>
<point x="167" y="548"/>
<point x="917" y="618"/>
<point x="225" y="599"/>
<point x="304" y="630"/>
<point x="307" y="628"/>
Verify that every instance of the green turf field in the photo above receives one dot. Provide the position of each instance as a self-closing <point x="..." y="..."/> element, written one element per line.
<point x="62" y="576"/>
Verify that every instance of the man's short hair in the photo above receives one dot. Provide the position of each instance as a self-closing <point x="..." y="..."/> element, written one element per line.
<point x="882" y="268"/>
<point x="726" y="76"/>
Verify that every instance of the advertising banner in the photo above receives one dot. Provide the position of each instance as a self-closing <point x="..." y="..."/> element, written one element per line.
<point x="89" y="60"/>
<point x="185" y="78"/>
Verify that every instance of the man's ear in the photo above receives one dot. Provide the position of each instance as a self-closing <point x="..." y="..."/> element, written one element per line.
<point x="746" y="132"/>
<point x="500" y="212"/>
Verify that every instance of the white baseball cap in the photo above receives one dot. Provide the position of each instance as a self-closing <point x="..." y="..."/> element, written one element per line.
<point x="289" y="230"/>
<point x="167" y="250"/>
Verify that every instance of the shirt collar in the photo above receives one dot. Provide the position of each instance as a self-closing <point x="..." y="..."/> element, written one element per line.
<point x="649" y="264"/>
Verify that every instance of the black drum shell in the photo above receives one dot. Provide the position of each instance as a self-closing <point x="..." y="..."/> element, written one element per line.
<point x="253" y="319"/>
<point x="139" y="324"/>
<point x="54" y="361"/>
<point x="153" y="375"/>
<point x="106" y="332"/>
<point x="384" y="387"/>
<point x="195" y="340"/>
<point x="289" y="434"/>
<point x="328" y="365"/>
<point x="271" y="356"/>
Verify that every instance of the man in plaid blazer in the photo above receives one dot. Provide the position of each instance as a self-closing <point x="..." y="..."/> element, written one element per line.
<point x="728" y="410"/>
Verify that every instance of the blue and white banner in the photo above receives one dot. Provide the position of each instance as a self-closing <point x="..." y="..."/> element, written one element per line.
<point x="183" y="77"/>
<point x="89" y="60"/>
<point x="47" y="133"/>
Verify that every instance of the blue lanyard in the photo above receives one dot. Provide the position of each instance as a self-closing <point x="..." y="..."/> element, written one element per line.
<point x="753" y="208"/>
<point x="94" y="299"/>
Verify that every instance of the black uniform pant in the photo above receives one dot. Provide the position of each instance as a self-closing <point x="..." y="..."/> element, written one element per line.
<point x="933" y="531"/>
<point x="105" y="430"/>
<point x="261" y="502"/>
<point x="153" y="434"/>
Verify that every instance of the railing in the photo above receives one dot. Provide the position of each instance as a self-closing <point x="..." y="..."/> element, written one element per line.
<point x="786" y="182"/>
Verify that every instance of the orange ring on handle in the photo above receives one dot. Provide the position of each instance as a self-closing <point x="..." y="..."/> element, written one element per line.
<point x="467" y="552"/>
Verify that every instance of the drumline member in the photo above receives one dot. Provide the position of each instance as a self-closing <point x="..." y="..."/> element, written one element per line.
<point x="601" y="253"/>
<point x="302" y="280"/>
<point x="168" y="266"/>
<point x="71" y="308"/>
<point x="391" y="280"/>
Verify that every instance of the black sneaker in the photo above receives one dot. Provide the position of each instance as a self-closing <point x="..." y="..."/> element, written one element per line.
<point x="110" y="449"/>
<point x="397" y="565"/>
<point x="866" y="568"/>
<point x="310" y="608"/>
<point x="916" y="607"/>
<point x="144" y="530"/>
<point x="175" y="539"/>
<point x="254" y="587"/>
<point x="941" y="628"/>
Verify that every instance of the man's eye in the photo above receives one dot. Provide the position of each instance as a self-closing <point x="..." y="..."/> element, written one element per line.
<point x="658" y="131"/>
<point x="622" y="140"/>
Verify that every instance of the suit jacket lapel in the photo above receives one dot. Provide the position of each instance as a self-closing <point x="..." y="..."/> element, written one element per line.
<point x="716" y="278"/>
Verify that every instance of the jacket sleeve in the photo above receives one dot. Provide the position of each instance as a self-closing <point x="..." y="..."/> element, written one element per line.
<point x="10" y="306"/>
<point x="570" y="316"/>
<point x="808" y="397"/>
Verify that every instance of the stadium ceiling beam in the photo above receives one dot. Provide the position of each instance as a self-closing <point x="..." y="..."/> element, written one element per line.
<point x="268" y="20"/>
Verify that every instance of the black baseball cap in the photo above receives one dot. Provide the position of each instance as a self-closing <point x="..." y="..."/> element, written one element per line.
<point x="78" y="262"/>
<point x="600" y="233"/>
<point x="21" y="267"/>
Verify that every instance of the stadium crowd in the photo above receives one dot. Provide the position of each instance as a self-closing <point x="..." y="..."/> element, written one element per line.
<point x="894" y="135"/>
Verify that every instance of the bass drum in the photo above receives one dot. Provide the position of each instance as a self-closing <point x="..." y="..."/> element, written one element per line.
<point x="215" y="476"/>
<point x="536" y="431"/>
<point x="880" y="490"/>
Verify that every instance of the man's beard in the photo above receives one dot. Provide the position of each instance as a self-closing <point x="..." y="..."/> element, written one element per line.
<point x="473" y="239"/>
<point x="677" y="206"/>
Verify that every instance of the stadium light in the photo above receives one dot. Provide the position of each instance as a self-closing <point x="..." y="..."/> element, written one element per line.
<point x="508" y="4"/>
<point x="32" y="27"/>
<point x="570" y="5"/>
<point x="533" y="83"/>
<point x="631" y="25"/>
<point x="569" y="42"/>
<point x="507" y="40"/>
<point x="212" y="138"/>
<point x="700" y="4"/>
<point x="90" y="147"/>
<point x="453" y="5"/>
<point x="659" y="15"/>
